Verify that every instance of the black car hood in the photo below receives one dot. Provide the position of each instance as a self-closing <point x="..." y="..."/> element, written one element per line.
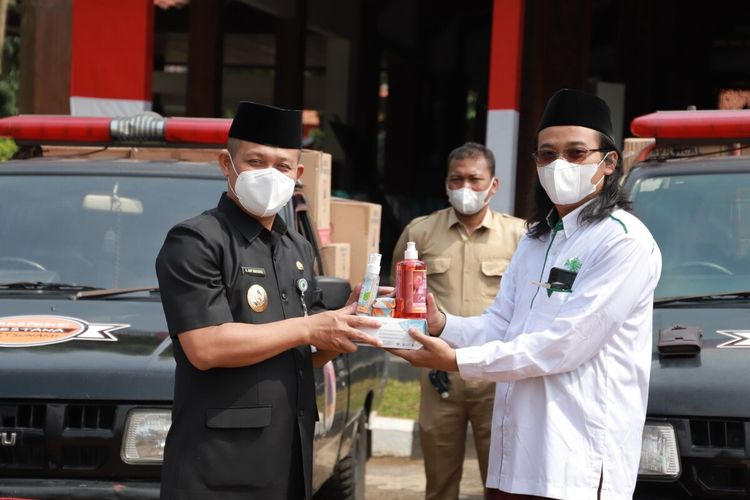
<point x="713" y="383"/>
<point x="112" y="349"/>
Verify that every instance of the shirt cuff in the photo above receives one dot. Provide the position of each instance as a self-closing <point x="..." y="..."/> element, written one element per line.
<point x="469" y="361"/>
<point x="452" y="330"/>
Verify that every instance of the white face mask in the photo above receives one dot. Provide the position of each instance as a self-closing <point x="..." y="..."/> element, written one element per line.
<point x="466" y="201"/>
<point x="262" y="192"/>
<point x="567" y="183"/>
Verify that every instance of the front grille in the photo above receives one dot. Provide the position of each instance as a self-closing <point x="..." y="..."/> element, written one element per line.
<point x="22" y="457"/>
<point x="84" y="457"/>
<point x="723" y="434"/>
<point x="54" y="437"/>
<point x="721" y="478"/>
<point x="30" y="416"/>
<point x="90" y="417"/>
<point x="16" y="423"/>
<point x="77" y="439"/>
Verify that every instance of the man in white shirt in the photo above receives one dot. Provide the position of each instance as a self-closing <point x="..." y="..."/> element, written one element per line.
<point x="568" y="338"/>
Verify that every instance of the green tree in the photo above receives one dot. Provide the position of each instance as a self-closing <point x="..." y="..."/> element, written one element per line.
<point x="9" y="78"/>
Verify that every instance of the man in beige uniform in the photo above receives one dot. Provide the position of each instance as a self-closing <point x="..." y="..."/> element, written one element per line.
<point x="466" y="249"/>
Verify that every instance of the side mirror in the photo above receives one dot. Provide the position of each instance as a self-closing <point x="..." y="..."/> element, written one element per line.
<point x="334" y="291"/>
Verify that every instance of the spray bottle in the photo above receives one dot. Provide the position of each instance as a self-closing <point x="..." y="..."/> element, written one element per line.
<point x="369" y="290"/>
<point x="411" y="285"/>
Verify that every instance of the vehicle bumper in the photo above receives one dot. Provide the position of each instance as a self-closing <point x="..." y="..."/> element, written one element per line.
<point x="59" y="489"/>
<point x="713" y="478"/>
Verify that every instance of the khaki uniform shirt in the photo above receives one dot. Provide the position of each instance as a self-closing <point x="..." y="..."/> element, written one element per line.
<point x="463" y="271"/>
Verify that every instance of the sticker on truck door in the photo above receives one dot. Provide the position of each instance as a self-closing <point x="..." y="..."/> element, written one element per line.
<point x="740" y="339"/>
<point x="30" y="331"/>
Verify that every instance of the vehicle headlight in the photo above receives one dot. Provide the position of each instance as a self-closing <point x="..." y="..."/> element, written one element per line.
<point x="659" y="455"/>
<point x="145" y="435"/>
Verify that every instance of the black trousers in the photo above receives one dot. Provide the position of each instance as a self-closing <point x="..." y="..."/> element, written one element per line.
<point x="296" y="472"/>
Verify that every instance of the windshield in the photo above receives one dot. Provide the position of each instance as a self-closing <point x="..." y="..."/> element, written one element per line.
<point x="702" y="226"/>
<point x="96" y="231"/>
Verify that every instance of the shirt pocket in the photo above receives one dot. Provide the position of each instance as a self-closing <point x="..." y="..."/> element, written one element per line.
<point x="238" y="418"/>
<point x="230" y="443"/>
<point x="437" y="275"/>
<point x="548" y="306"/>
<point x="492" y="271"/>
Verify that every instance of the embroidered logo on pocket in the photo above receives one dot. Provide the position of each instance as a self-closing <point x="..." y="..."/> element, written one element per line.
<point x="573" y="265"/>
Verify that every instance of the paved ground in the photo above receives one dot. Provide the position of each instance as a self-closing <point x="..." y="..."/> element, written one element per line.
<point x="390" y="478"/>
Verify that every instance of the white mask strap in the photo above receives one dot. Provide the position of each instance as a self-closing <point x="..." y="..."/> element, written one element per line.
<point x="235" y="173"/>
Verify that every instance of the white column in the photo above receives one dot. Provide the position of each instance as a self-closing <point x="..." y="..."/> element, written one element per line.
<point x="502" y="139"/>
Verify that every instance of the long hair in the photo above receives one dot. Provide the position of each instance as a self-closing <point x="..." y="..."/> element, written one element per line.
<point x="609" y="199"/>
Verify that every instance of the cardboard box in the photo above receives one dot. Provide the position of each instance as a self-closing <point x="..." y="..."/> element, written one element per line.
<point x="316" y="185"/>
<point x="632" y="148"/>
<point x="394" y="332"/>
<point x="324" y="235"/>
<point x="336" y="259"/>
<point x="357" y="223"/>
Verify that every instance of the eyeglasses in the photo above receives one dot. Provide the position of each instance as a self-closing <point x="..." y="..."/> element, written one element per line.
<point x="573" y="155"/>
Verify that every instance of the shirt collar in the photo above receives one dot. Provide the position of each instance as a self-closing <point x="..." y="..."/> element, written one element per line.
<point x="486" y="220"/>
<point x="244" y="223"/>
<point x="553" y="220"/>
<point x="569" y="223"/>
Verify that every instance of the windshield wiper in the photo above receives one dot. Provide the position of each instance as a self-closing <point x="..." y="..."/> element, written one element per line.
<point x="99" y="293"/>
<point x="78" y="291"/>
<point x="703" y="298"/>
<point x="44" y="287"/>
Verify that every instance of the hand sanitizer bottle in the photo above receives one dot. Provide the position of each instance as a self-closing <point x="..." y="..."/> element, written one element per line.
<point x="369" y="290"/>
<point x="411" y="285"/>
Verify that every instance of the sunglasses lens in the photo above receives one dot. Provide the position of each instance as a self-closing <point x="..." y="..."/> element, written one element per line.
<point x="576" y="154"/>
<point x="545" y="157"/>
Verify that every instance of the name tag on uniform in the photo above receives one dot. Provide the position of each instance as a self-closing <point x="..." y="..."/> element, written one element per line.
<point x="253" y="271"/>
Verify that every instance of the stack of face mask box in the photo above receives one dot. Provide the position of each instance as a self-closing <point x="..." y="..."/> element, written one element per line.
<point x="394" y="332"/>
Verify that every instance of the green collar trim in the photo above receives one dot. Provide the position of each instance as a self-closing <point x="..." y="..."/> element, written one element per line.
<point x="554" y="221"/>
<point x="624" y="227"/>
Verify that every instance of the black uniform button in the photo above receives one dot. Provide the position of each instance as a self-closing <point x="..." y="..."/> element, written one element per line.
<point x="302" y="413"/>
<point x="283" y="296"/>
<point x="301" y="373"/>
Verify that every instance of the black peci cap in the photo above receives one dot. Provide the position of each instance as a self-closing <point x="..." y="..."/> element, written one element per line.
<point x="573" y="107"/>
<point x="268" y="125"/>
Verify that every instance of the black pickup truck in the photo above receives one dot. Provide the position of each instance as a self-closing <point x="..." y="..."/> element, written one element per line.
<point x="695" y="198"/>
<point x="85" y="358"/>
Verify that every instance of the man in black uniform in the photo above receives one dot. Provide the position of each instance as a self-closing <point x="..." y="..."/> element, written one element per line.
<point x="235" y="285"/>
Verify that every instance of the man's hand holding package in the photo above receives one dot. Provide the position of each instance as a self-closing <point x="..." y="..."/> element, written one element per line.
<point x="435" y="317"/>
<point x="336" y="331"/>
<point x="330" y="345"/>
<point x="435" y="353"/>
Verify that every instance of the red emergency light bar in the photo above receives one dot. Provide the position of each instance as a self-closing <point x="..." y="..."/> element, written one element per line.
<point x="56" y="128"/>
<point x="718" y="125"/>
<point x="197" y="130"/>
<point x="147" y="128"/>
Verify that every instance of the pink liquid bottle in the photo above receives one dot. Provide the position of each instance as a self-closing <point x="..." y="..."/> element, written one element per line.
<point x="411" y="285"/>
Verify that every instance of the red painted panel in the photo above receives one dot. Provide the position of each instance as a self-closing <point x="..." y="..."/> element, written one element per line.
<point x="112" y="49"/>
<point x="506" y="52"/>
